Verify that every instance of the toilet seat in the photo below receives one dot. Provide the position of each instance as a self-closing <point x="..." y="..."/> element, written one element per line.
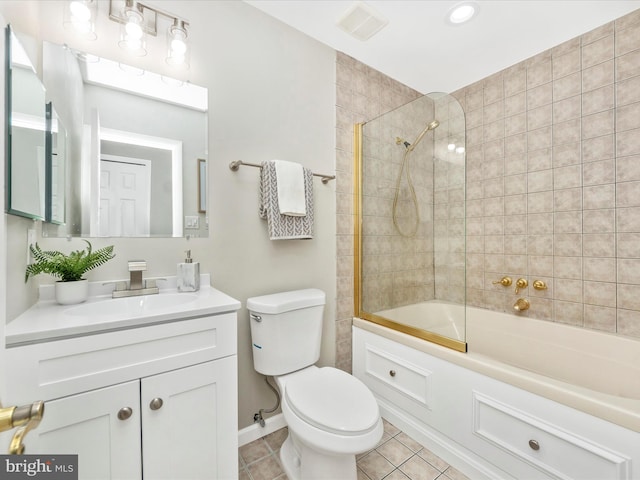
<point x="333" y="401"/>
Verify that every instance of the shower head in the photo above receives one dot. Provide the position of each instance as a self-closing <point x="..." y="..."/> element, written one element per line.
<point x="430" y="126"/>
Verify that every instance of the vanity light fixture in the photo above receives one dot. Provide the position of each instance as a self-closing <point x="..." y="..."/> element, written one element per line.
<point x="177" y="49"/>
<point x="462" y="13"/>
<point x="139" y="20"/>
<point x="132" y="36"/>
<point x="81" y="16"/>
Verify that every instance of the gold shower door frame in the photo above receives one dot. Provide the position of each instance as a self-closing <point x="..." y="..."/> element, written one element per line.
<point x="357" y="255"/>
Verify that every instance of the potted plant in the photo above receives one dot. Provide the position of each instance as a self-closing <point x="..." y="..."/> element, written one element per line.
<point x="71" y="287"/>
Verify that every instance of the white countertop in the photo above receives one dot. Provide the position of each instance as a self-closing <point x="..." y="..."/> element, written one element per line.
<point x="48" y="321"/>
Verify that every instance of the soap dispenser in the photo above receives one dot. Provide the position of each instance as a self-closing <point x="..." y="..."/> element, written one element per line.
<point x="188" y="275"/>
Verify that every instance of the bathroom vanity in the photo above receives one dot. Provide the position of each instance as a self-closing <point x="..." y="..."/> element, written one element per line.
<point x="141" y="387"/>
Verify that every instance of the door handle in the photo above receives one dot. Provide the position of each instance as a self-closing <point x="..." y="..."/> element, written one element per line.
<point x="27" y="417"/>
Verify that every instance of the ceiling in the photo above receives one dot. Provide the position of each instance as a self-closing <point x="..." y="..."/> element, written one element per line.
<point x="420" y="49"/>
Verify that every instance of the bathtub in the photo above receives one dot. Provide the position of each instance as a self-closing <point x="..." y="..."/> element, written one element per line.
<point x="594" y="372"/>
<point x="441" y="318"/>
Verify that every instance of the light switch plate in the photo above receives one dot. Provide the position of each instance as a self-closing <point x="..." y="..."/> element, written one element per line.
<point x="191" y="221"/>
<point x="31" y="240"/>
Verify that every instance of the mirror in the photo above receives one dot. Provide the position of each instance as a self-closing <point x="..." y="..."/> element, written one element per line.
<point x="135" y="139"/>
<point x="24" y="133"/>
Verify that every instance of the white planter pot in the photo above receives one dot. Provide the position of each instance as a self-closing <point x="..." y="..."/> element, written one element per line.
<point x="69" y="293"/>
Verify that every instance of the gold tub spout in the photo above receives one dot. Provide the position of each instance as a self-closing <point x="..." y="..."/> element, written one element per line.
<point x="521" y="305"/>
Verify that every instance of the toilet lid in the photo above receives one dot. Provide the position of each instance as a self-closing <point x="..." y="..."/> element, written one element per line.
<point x="332" y="400"/>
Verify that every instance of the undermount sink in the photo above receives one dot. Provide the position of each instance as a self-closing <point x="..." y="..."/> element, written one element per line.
<point x="132" y="305"/>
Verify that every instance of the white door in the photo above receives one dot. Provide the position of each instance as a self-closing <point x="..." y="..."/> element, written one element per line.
<point x="125" y="196"/>
<point x="188" y="436"/>
<point x="87" y="424"/>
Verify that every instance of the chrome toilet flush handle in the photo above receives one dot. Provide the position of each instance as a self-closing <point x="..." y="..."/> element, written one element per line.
<point x="255" y="317"/>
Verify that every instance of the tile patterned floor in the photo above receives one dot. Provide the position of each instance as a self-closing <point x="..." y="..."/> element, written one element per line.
<point x="397" y="457"/>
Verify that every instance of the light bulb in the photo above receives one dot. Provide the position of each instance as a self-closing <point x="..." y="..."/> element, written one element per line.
<point x="133" y="29"/>
<point x="451" y="147"/>
<point x="460" y="150"/>
<point x="80" y="11"/>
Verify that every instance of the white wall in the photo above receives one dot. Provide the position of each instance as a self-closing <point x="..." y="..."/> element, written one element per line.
<point x="271" y="95"/>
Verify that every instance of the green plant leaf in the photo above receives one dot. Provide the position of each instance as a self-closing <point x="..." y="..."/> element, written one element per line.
<point x="68" y="268"/>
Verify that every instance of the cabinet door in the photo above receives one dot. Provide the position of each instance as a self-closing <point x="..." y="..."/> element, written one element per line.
<point x="87" y="424"/>
<point x="194" y="433"/>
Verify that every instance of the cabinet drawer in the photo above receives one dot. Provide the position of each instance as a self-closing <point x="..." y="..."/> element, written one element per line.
<point x="545" y="446"/>
<point x="64" y="367"/>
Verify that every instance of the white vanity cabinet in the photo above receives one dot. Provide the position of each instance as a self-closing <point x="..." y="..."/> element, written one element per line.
<point x="180" y="418"/>
<point x="157" y="401"/>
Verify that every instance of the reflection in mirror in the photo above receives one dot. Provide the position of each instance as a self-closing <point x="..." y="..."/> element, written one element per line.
<point x="25" y="133"/>
<point x="56" y="142"/>
<point x="129" y="128"/>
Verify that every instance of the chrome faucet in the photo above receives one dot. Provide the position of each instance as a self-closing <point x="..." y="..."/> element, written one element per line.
<point x="136" y="285"/>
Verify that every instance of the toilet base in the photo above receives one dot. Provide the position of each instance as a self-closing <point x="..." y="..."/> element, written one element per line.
<point x="302" y="463"/>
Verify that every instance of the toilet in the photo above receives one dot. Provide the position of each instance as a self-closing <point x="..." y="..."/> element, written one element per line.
<point x="332" y="416"/>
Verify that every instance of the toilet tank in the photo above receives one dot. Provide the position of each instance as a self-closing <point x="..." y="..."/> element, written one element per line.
<point x="286" y="330"/>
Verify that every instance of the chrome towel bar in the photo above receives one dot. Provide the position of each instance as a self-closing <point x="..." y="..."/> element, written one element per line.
<point x="236" y="164"/>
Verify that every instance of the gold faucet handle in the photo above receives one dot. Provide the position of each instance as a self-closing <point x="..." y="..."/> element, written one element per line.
<point x="27" y="417"/>
<point x="520" y="284"/>
<point x="504" y="281"/>
<point x="539" y="285"/>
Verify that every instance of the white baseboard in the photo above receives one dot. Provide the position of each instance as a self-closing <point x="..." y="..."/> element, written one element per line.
<point x="255" y="431"/>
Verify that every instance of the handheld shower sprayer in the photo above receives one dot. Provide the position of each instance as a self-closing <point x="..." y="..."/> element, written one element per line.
<point x="430" y="126"/>
<point x="405" y="169"/>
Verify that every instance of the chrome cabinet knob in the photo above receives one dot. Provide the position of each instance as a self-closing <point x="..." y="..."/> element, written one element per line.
<point x="534" y="445"/>
<point x="125" y="413"/>
<point x="156" y="404"/>
<point x="392" y="373"/>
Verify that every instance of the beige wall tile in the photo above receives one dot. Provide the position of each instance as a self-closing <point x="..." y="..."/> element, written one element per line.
<point x="628" y="245"/>
<point x="598" y="100"/>
<point x="600" y="318"/>
<point x="598" y="221"/>
<point x="628" y="117"/>
<point x="570" y="108"/>
<point x="628" y="322"/>
<point x="628" y="65"/>
<point x="599" y="269"/>
<point x="567" y="63"/>
<point x="598" y="51"/>
<point x="598" y="76"/>
<point x="597" y="33"/>
<point x="600" y="293"/>
<point x="598" y="173"/>
<point x="567" y="199"/>
<point x="599" y="196"/>
<point x="629" y="270"/>
<point x="598" y="148"/>
<point x="627" y="39"/>
<point x="567" y="86"/>
<point x="628" y="91"/>
<point x="599" y="245"/>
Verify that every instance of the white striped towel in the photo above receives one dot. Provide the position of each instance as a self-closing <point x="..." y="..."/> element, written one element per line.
<point x="284" y="227"/>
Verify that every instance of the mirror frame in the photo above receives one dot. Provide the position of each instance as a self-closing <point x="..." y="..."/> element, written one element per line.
<point x="8" y="118"/>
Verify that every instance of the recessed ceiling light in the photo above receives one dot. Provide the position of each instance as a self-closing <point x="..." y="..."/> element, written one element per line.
<point x="462" y="12"/>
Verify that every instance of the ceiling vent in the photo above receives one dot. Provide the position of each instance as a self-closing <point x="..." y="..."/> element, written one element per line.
<point x="362" y="21"/>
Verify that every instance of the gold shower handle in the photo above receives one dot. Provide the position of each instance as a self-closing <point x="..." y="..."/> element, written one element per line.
<point x="539" y="285"/>
<point x="520" y="284"/>
<point x="504" y="281"/>
<point x="27" y="417"/>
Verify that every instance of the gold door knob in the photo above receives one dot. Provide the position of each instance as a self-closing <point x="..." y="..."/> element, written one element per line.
<point x="521" y="305"/>
<point x="504" y="281"/>
<point x="520" y="284"/>
<point x="539" y="285"/>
